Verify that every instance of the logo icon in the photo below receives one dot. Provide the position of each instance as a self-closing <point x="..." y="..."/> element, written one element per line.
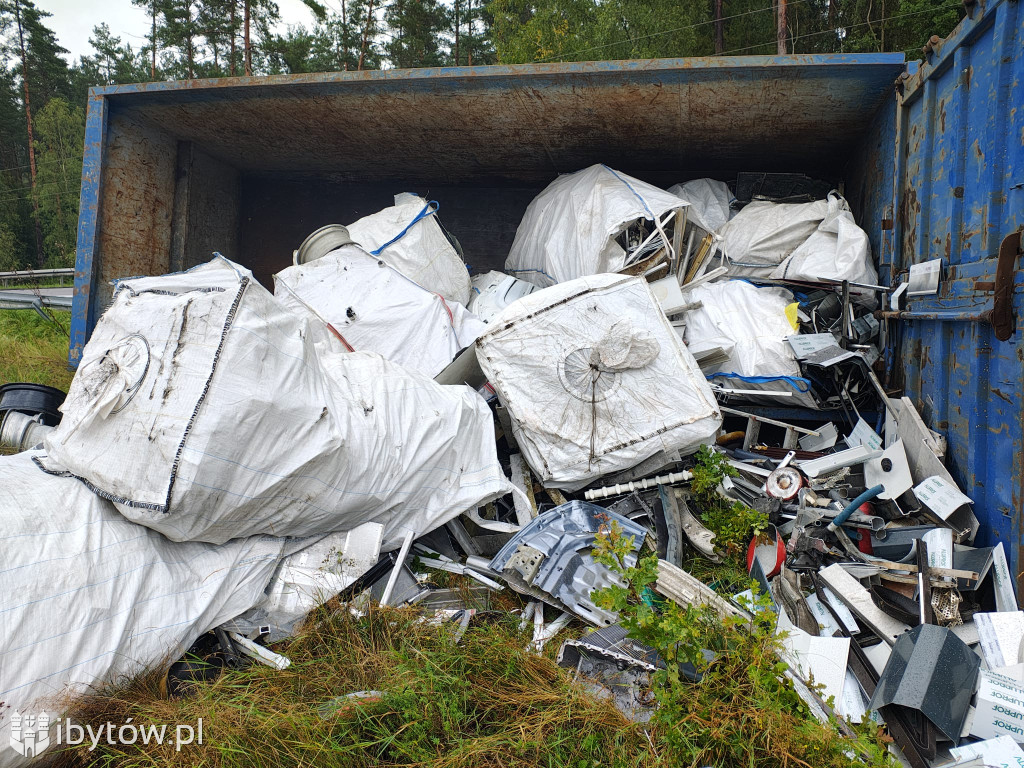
<point x="30" y="734"/>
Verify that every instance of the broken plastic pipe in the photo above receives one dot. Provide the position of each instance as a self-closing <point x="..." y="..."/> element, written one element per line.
<point x="549" y="631"/>
<point x="258" y="652"/>
<point x="854" y="505"/>
<point x="637" y="485"/>
<point x="403" y="553"/>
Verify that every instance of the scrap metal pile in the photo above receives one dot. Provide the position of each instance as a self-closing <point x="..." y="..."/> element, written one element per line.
<point x="229" y="458"/>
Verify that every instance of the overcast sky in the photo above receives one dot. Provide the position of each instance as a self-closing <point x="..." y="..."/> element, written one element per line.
<point x="73" y="20"/>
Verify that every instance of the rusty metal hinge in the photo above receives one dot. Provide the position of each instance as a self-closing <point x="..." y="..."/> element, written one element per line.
<point x="1002" y="300"/>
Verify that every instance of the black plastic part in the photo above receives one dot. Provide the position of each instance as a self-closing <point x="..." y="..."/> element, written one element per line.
<point x="377" y="572"/>
<point x="32" y="399"/>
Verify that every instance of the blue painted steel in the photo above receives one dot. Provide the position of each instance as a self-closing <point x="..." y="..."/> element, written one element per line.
<point x="83" y="316"/>
<point x="960" y="191"/>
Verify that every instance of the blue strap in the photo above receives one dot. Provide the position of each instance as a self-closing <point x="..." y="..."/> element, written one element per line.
<point x="427" y="211"/>
<point x="794" y="381"/>
<point x="630" y="186"/>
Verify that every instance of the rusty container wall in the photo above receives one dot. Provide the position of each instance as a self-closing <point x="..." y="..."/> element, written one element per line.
<point x="960" y="198"/>
<point x="249" y="166"/>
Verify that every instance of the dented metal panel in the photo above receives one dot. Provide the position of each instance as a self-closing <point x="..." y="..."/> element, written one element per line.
<point x="959" y="196"/>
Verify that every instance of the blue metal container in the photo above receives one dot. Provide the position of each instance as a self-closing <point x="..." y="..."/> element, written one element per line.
<point x="930" y="158"/>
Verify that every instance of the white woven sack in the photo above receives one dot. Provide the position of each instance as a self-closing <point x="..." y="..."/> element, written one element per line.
<point x="569" y="229"/>
<point x="204" y="409"/>
<point x="88" y="598"/>
<point x="408" y="237"/>
<point x="595" y="379"/>
<point x="378" y="309"/>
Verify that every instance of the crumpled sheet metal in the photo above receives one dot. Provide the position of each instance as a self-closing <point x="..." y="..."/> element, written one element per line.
<point x="934" y="672"/>
<point x="550" y="560"/>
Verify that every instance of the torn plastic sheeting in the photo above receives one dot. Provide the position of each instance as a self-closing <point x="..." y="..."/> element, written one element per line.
<point x="90" y="598"/>
<point x="749" y="324"/>
<point x="837" y="250"/>
<point x="762" y="235"/>
<point x="227" y="420"/>
<point x="569" y="229"/>
<point x="408" y="237"/>
<point x="595" y="380"/>
<point x="550" y="560"/>
<point x="709" y="201"/>
<point x="378" y="309"/>
<point x="493" y="291"/>
<point x="311" y="577"/>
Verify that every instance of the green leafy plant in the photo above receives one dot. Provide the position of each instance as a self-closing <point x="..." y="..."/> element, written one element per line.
<point x="744" y="711"/>
<point x="732" y="521"/>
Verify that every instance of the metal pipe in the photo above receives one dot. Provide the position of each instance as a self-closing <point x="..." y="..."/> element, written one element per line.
<point x="21" y="431"/>
<point x="950" y="316"/>
<point x="393" y="579"/>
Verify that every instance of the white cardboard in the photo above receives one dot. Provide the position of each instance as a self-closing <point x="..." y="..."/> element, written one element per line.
<point x="940" y="496"/>
<point x="999" y="708"/>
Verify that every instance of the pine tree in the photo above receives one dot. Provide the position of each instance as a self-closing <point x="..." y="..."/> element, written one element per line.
<point x="418" y="33"/>
<point x="60" y="137"/>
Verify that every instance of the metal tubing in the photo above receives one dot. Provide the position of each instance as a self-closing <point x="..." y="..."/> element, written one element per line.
<point x="393" y="578"/>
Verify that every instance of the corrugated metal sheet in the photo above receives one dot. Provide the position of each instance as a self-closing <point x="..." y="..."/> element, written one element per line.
<point x="960" y="192"/>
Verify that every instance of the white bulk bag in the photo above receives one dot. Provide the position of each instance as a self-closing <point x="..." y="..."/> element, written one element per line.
<point x="378" y="309"/>
<point x="88" y="598"/>
<point x="408" y="237"/>
<point x="595" y="379"/>
<point x="750" y="326"/>
<point x="763" y="235"/>
<point x="204" y="409"/>
<point x="837" y="250"/>
<point x="569" y="229"/>
<point x="493" y="291"/>
<point x="709" y="202"/>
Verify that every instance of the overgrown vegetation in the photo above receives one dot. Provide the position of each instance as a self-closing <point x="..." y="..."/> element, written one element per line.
<point x="744" y="711"/>
<point x="34" y="350"/>
<point x="484" y="702"/>
<point x="732" y="521"/>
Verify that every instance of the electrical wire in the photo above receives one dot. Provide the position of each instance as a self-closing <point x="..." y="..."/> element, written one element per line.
<point x="667" y="32"/>
<point x="867" y="23"/>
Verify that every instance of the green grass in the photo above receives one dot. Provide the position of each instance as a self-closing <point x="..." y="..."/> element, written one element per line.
<point x="484" y="702"/>
<point x="34" y="350"/>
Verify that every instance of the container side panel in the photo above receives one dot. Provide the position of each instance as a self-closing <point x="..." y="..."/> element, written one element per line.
<point x="214" y="211"/>
<point x="961" y="192"/>
<point x="277" y="215"/>
<point x="83" y="315"/>
<point x="138" y="197"/>
<point x="515" y="125"/>
<point x="869" y="181"/>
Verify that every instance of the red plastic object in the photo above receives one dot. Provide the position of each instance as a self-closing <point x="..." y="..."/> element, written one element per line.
<point x="770" y="553"/>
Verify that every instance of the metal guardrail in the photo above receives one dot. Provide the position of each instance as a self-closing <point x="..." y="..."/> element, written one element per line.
<point x="13" y="300"/>
<point x="29" y="275"/>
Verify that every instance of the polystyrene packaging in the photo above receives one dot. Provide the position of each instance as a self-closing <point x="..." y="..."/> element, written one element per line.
<point x="595" y="379"/>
